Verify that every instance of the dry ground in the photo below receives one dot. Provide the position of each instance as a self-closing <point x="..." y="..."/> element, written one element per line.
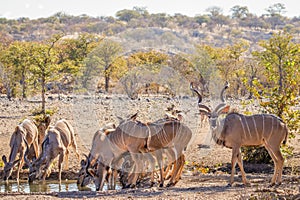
<point x="207" y="169"/>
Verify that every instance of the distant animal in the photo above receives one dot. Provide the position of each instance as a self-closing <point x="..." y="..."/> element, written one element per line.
<point x="25" y="134"/>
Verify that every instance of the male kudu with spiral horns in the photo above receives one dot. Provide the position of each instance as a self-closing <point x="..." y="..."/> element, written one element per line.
<point x="237" y="130"/>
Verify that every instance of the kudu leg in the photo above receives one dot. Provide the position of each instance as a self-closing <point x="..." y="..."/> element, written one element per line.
<point x="113" y="179"/>
<point x="60" y="161"/>
<point x="36" y="149"/>
<point x="279" y="164"/>
<point x="178" y="166"/>
<point x="170" y="167"/>
<point x="74" y="145"/>
<point x="66" y="165"/>
<point x="136" y="157"/>
<point x="234" y="158"/>
<point x="180" y="169"/>
<point x="46" y="169"/>
<point x="151" y="159"/>
<point x="240" y="163"/>
<point x="161" y="168"/>
<point x="278" y="159"/>
<point x="168" y="171"/>
<point x="21" y="163"/>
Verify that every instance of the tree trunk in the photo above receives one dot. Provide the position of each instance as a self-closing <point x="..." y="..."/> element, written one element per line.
<point x="280" y="82"/>
<point x="43" y="95"/>
<point x="8" y="91"/>
<point x="106" y="82"/>
<point x="24" y="96"/>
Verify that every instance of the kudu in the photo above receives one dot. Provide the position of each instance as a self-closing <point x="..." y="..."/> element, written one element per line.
<point x="137" y="138"/>
<point x="237" y="130"/>
<point x="25" y="134"/>
<point x="57" y="141"/>
<point x="84" y="178"/>
<point x="42" y="126"/>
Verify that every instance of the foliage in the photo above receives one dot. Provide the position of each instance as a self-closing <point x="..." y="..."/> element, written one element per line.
<point x="239" y="12"/>
<point x="276" y="9"/>
<point x="142" y="68"/>
<point x="16" y="62"/>
<point x="101" y="60"/>
<point x="256" y="155"/>
<point x="278" y="95"/>
<point x="222" y="63"/>
<point x="39" y="116"/>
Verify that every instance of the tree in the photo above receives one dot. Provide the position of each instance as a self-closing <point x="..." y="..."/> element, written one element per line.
<point x="73" y="55"/>
<point x="45" y="64"/>
<point x="105" y="54"/>
<point x="214" y="11"/>
<point x="127" y="15"/>
<point x="217" y="18"/>
<point x="276" y="9"/>
<point x="200" y="19"/>
<point x="203" y="66"/>
<point x="281" y="59"/>
<point x="239" y="12"/>
<point x="16" y="59"/>
<point x="142" y="68"/>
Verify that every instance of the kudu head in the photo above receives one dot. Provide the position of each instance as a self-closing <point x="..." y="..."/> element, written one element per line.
<point x="17" y="141"/>
<point x="90" y="162"/>
<point x="35" y="167"/>
<point x="128" y="118"/>
<point x="8" y="167"/>
<point x="84" y="178"/>
<point x="43" y="127"/>
<point x="100" y="168"/>
<point x="99" y="172"/>
<point x="217" y="111"/>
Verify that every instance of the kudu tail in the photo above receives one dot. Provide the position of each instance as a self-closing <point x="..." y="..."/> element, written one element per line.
<point x="286" y="134"/>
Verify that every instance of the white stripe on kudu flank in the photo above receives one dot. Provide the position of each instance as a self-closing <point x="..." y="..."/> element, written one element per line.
<point x="271" y="132"/>
<point x="263" y="124"/>
<point x="246" y="121"/>
<point x="240" y="119"/>
<point x="254" y="122"/>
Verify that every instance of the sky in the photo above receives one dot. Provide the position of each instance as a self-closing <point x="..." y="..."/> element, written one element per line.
<point x="33" y="9"/>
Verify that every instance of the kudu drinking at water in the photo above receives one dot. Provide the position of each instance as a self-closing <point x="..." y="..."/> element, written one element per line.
<point x="237" y="130"/>
<point x="25" y="134"/>
<point x="57" y="141"/>
<point x="84" y="178"/>
<point x="137" y="138"/>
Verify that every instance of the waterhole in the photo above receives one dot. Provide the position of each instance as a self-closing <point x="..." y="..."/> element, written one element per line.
<point x="47" y="186"/>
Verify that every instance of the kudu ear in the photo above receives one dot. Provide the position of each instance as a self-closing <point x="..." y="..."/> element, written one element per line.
<point x="204" y="112"/>
<point x="82" y="163"/>
<point x="134" y="116"/>
<point x="91" y="171"/>
<point x="4" y="159"/>
<point x="108" y="131"/>
<point x="120" y="119"/>
<point x="204" y="109"/>
<point x="225" y="110"/>
<point x="47" y="120"/>
<point x="17" y="128"/>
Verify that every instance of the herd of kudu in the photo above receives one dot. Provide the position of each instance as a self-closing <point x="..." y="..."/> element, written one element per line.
<point x="133" y="148"/>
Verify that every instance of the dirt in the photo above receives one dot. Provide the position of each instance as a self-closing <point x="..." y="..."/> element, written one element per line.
<point x="207" y="168"/>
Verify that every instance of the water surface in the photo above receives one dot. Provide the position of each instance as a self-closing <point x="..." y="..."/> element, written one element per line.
<point x="47" y="186"/>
